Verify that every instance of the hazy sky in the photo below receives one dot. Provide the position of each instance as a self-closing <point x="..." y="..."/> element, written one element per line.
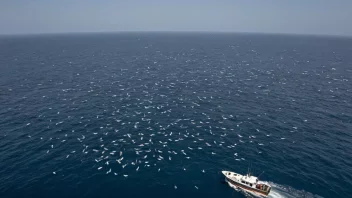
<point x="333" y="17"/>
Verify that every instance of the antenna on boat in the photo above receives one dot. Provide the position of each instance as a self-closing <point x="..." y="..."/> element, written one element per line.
<point x="251" y="169"/>
<point x="260" y="174"/>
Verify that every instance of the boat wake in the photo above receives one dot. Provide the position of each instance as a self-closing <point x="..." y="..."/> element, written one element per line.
<point x="281" y="191"/>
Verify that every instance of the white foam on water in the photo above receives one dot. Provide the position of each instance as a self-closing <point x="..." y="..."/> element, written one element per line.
<point x="281" y="191"/>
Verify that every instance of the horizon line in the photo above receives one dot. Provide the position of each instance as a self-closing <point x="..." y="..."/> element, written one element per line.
<point x="175" y="31"/>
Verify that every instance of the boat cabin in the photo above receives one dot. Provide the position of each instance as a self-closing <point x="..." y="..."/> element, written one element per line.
<point x="253" y="182"/>
<point x="249" y="180"/>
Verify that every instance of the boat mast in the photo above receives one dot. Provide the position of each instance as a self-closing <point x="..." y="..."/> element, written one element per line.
<point x="249" y="169"/>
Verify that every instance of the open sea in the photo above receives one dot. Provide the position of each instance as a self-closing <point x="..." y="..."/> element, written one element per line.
<point x="162" y="114"/>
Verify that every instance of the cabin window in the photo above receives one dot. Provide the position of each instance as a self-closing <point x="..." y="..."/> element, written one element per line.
<point x="250" y="185"/>
<point x="243" y="182"/>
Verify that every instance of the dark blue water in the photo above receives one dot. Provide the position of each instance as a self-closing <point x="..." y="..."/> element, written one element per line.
<point x="179" y="108"/>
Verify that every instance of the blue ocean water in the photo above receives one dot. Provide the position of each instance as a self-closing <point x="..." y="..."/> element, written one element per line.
<point x="161" y="114"/>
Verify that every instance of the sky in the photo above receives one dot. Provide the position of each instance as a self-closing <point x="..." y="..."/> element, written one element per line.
<point x="321" y="17"/>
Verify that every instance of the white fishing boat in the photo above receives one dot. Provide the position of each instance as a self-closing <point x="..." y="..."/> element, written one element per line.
<point x="247" y="183"/>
